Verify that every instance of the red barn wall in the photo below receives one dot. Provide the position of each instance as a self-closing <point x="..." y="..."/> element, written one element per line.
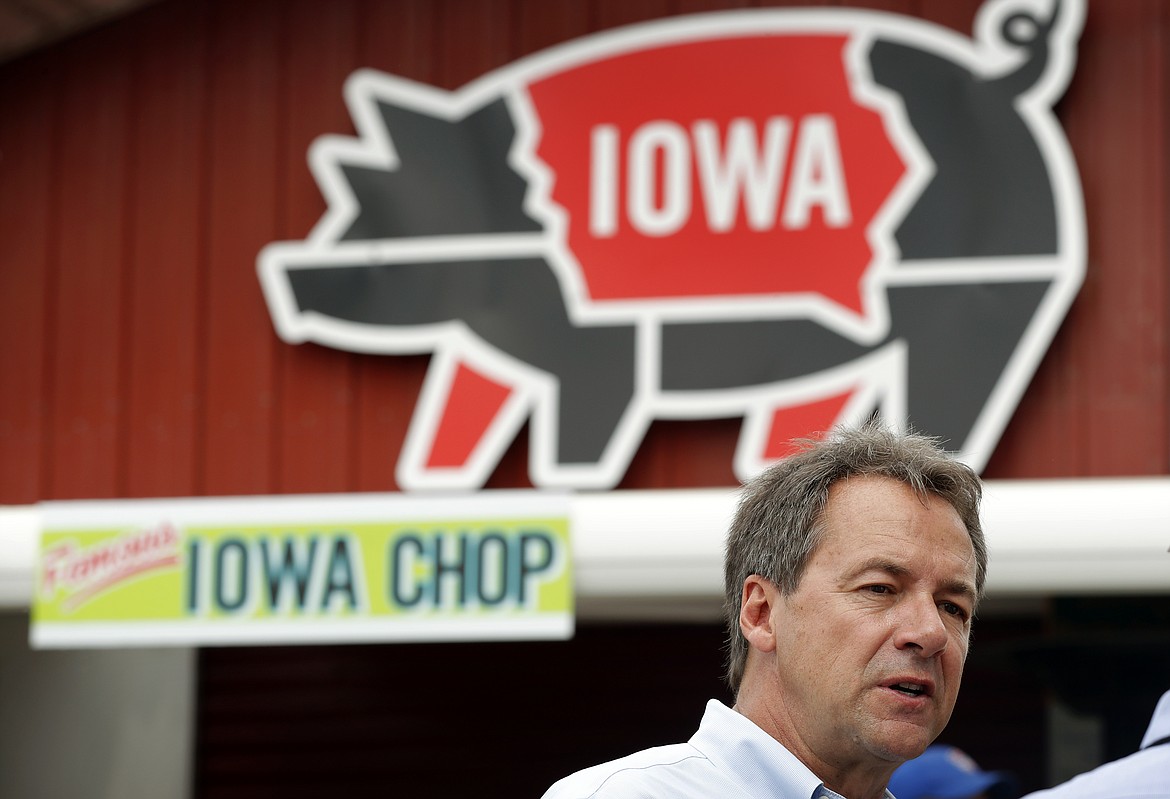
<point x="146" y="163"/>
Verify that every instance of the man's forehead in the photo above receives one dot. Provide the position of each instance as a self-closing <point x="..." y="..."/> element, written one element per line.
<point x="877" y="518"/>
<point x="874" y="493"/>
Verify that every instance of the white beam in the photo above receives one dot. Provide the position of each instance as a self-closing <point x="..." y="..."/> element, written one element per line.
<point x="19" y="529"/>
<point x="658" y="554"/>
<point x="1098" y="536"/>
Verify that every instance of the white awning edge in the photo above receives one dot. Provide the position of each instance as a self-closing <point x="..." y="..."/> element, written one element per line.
<point x="664" y="548"/>
<point x="19" y="528"/>
<point x="1089" y="536"/>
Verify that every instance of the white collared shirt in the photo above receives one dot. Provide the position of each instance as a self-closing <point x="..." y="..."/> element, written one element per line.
<point x="1143" y="775"/>
<point x="728" y="758"/>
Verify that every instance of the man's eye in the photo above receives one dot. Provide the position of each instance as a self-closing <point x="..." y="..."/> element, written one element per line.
<point x="878" y="589"/>
<point x="951" y="609"/>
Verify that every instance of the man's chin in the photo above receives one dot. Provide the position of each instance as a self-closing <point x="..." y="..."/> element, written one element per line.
<point x="898" y="742"/>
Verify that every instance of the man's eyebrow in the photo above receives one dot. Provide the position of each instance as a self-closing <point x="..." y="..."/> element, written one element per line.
<point x="879" y="564"/>
<point x="961" y="588"/>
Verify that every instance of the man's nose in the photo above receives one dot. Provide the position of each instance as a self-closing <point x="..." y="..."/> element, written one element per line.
<point x="920" y="626"/>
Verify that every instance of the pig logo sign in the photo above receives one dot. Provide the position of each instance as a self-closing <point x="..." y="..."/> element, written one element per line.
<point x="797" y="217"/>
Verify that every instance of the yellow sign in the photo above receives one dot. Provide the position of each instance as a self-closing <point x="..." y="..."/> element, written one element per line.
<point x="367" y="568"/>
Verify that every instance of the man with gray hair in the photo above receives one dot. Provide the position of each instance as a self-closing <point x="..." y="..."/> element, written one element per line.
<point x="853" y="570"/>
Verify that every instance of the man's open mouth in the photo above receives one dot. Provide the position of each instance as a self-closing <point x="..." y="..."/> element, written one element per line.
<point x="910" y="688"/>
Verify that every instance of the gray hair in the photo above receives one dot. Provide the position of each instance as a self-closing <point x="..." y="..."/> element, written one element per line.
<point x="777" y="526"/>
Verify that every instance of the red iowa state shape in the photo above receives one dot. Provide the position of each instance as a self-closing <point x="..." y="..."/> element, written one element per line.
<point x="737" y="167"/>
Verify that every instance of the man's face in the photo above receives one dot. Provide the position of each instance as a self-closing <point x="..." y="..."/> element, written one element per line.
<point x="870" y="647"/>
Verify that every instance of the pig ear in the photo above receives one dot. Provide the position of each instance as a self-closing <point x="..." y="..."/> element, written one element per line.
<point x="755" y="613"/>
<point x="451" y="177"/>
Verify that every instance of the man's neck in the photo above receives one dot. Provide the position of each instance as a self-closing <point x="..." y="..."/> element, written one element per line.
<point x="852" y="781"/>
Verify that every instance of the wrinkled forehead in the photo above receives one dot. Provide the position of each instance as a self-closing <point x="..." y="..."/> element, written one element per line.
<point x="873" y="510"/>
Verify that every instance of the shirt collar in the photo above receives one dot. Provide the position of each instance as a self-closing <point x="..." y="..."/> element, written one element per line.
<point x="1160" y="724"/>
<point x="757" y="760"/>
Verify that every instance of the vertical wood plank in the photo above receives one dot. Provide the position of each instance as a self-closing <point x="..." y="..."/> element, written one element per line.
<point x="1161" y="314"/>
<point x="614" y="13"/>
<point x="86" y="405"/>
<point x="685" y="454"/>
<point x="316" y="384"/>
<point x="475" y="36"/>
<point x="386" y="390"/>
<point x="27" y="131"/>
<point x="541" y="25"/>
<point x="165" y="208"/>
<point x="245" y="143"/>
<point x="399" y="38"/>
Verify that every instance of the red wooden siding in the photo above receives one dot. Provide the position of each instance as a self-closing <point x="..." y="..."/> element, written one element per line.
<point x="245" y="186"/>
<point x="165" y="320"/>
<point x="1098" y="405"/>
<point x="88" y="308"/>
<point x="144" y="165"/>
<point x="27" y="213"/>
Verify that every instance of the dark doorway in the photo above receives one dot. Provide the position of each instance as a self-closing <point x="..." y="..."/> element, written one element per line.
<point x="508" y="719"/>
<point x="439" y="720"/>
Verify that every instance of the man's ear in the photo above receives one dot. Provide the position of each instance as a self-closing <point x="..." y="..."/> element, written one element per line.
<point x="755" y="613"/>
